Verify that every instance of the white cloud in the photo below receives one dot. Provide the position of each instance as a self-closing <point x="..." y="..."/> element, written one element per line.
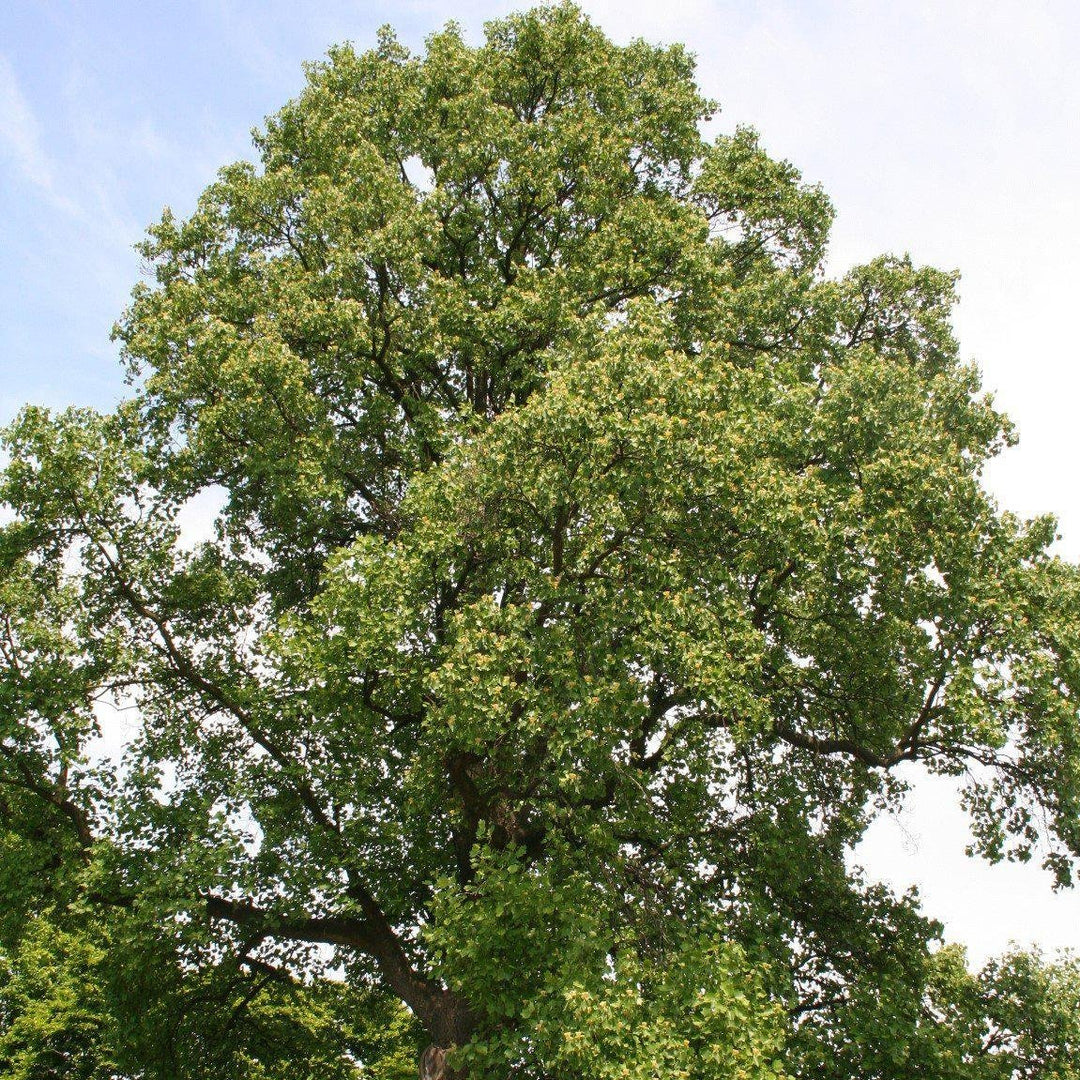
<point x="986" y="907"/>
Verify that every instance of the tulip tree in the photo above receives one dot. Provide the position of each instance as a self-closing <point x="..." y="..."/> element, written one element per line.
<point x="587" y="570"/>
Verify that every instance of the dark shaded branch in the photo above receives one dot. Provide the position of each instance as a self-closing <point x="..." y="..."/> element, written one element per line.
<point x="53" y="794"/>
<point x="841" y="745"/>
<point x="446" y="1016"/>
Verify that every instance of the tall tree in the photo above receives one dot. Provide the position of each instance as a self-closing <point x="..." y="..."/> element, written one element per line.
<point x="588" y="564"/>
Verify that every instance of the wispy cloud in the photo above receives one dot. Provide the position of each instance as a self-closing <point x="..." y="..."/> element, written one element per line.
<point x="20" y="132"/>
<point x="21" y="144"/>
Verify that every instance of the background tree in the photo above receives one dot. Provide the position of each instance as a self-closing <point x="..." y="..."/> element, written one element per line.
<point x="587" y="564"/>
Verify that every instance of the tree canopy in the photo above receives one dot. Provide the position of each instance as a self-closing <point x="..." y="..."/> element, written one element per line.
<point x="588" y="566"/>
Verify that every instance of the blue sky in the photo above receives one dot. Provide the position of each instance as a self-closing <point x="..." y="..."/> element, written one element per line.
<point x="950" y="129"/>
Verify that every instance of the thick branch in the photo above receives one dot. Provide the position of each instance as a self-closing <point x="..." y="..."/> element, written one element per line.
<point x="906" y="749"/>
<point x="445" y="1016"/>
<point x="845" y="746"/>
<point x="53" y="794"/>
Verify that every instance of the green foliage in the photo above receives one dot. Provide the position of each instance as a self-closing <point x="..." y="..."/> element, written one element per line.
<point x="53" y="1017"/>
<point x="588" y="568"/>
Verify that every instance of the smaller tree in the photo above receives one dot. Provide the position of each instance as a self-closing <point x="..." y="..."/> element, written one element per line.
<point x="105" y="1001"/>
